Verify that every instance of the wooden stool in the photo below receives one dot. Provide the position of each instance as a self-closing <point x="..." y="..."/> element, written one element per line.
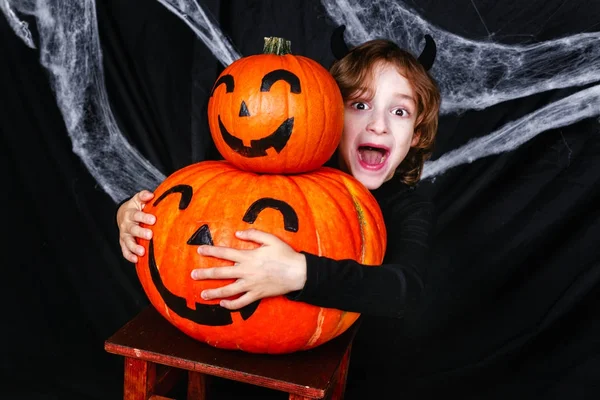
<point x="157" y="355"/>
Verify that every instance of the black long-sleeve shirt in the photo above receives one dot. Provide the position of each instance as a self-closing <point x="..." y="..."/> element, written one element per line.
<point x="389" y="290"/>
<point x="386" y="296"/>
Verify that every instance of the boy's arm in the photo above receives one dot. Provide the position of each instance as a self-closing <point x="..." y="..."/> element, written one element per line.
<point x="387" y="290"/>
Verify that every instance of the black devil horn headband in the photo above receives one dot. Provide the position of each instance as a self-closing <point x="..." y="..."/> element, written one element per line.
<point x="339" y="48"/>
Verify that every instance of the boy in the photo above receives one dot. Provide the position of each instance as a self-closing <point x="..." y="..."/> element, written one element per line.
<point x="390" y="123"/>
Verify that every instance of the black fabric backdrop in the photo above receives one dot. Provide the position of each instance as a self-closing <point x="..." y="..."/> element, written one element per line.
<point x="513" y="295"/>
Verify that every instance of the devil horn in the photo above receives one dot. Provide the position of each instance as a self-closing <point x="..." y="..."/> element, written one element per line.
<point x="427" y="56"/>
<point x="339" y="48"/>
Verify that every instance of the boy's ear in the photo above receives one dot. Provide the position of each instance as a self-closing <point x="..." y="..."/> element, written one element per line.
<point x="415" y="139"/>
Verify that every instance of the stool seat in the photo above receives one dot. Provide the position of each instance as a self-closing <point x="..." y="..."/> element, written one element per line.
<point x="157" y="355"/>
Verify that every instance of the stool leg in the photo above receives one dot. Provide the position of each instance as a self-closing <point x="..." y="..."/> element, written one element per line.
<point x="341" y="376"/>
<point x="140" y="379"/>
<point x="196" y="389"/>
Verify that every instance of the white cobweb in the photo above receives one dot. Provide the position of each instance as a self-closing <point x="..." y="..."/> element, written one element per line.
<point x="471" y="75"/>
<point x="205" y="27"/>
<point x="479" y="74"/>
<point x="70" y="50"/>
<point x="474" y="75"/>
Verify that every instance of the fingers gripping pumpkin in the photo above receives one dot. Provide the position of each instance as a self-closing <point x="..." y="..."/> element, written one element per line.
<point x="205" y="203"/>
<point x="276" y="112"/>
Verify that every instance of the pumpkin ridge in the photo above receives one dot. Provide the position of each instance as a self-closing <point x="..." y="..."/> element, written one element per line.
<point x="314" y="181"/>
<point x="350" y="216"/>
<point x="190" y="171"/>
<point x="361" y="221"/>
<point x="249" y="64"/>
<point x="183" y="172"/>
<point x="329" y="184"/>
<point x="215" y="173"/>
<point x="318" y="329"/>
<point x="376" y="228"/>
<point x="219" y="174"/>
<point x="241" y="68"/>
<point x="365" y="216"/>
<point x="307" y="143"/>
<point x="335" y="332"/>
<point x="288" y="100"/>
<point x="295" y="181"/>
<point x="321" y="107"/>
<point x="361" y="224"/>
<point x="220" y="171"/>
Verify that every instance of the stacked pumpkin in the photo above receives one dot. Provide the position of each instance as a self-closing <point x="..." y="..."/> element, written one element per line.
<point x="276" y="118"/>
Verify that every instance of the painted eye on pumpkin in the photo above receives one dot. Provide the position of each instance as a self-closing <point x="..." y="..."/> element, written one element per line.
<point x="290" y="218"/>
<point x="213" y="314"/>
<point x="202" y="236"/>
<point x="185" y="191"/>
<point x="268" y="80"/>
<point x="280" y="75"/>
<point x="226" y="80"/>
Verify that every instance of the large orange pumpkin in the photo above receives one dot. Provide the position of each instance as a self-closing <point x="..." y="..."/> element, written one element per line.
<point x="276" y="112"/>
<point x="325" y="212"/>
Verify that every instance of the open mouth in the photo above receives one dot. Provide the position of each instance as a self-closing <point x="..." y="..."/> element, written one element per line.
<point x="372" y="157"/>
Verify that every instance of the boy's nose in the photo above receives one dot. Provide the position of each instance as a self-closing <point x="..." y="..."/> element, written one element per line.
<point x="377" y="124"/>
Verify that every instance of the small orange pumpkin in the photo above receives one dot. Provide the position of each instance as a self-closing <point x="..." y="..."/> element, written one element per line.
<point x="276" y="112"/>
<point x="325" y="212"/>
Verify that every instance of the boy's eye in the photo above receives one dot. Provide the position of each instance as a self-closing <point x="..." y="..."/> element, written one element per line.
<point x="359" y="105"/>
<point x="401" y="112"/>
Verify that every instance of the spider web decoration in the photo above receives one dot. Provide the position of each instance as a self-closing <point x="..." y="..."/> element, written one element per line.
<point x="472" y="75"/>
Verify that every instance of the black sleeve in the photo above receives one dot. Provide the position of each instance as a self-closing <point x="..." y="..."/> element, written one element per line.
<point x="388" y="290"/>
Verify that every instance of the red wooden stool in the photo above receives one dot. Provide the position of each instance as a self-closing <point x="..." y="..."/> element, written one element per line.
<point x="157" y="355"/>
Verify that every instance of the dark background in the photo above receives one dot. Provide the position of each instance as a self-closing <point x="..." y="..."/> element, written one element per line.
<point x="514" y="291"/>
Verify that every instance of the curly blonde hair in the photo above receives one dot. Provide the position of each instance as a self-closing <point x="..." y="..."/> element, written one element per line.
<point x="353" y="74"/>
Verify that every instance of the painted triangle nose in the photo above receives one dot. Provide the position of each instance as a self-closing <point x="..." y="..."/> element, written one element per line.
<point x="244" y="110"/>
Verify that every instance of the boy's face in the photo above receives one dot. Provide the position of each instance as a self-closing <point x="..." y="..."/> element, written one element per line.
<point x="379" y="131"/>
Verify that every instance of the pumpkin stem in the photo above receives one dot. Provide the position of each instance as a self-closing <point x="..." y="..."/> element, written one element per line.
<point x="277" y="46"/>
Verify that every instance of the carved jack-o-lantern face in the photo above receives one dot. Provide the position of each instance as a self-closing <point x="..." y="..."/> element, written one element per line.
<point x="205" y="203"/>
<point x="276" y="114"/>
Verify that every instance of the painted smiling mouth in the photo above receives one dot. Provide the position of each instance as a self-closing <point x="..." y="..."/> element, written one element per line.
<point x="258" y="148"/>
<point x="371" y="155"/>
<point x="203" y="314"/>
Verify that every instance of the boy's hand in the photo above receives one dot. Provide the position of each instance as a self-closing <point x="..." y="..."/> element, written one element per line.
<point x="129" y="217"/>
<point x="272" y="269"/>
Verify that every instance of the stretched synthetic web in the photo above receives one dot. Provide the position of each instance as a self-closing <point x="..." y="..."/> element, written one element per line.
<point x="583" y="104"/>
<point x="474" y="74"/>
<point x="478" y="74"/>
<point x="471" y="75"/>
<point x="70" y="50"/>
